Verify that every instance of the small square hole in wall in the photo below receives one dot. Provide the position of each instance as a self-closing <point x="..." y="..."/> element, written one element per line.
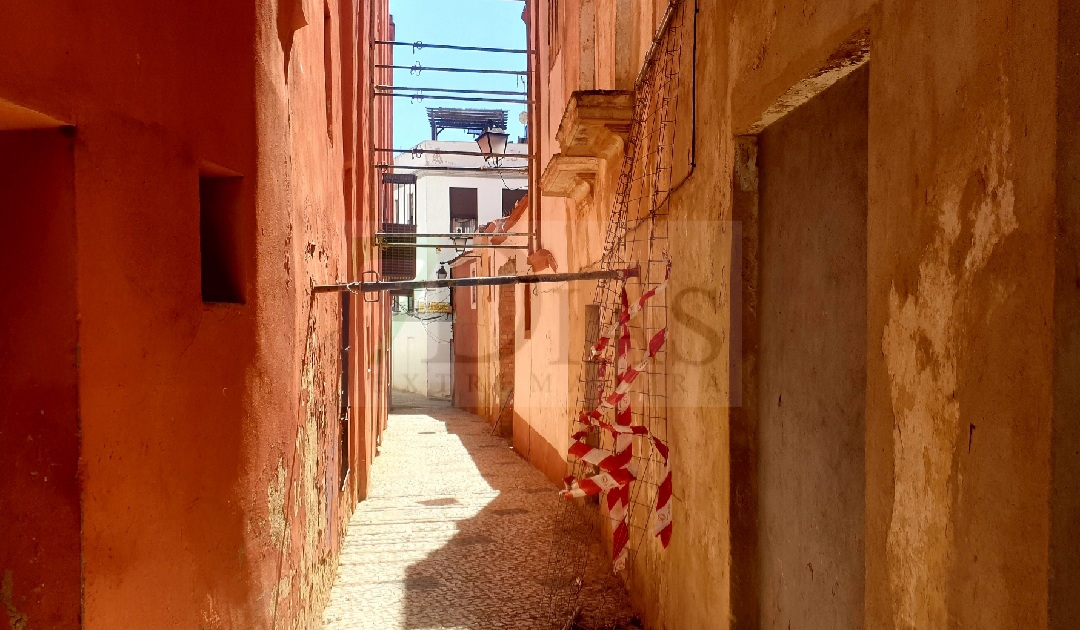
<point x="219" y="239"/>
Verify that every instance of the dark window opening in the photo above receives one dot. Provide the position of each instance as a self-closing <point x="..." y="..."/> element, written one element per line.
<point x="343" y="447"/>
<point x="528" y="312"/>
<point x="510" y="199"/>
<point x="463" y="210"/>
<point x="219" y="240"/>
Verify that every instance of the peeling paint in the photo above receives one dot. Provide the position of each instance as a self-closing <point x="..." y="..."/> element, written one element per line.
<point x="307" y="574"/>
<point x="276" y="500"/>
<point x="921" y="343"/>
<point x="16" y="619"/>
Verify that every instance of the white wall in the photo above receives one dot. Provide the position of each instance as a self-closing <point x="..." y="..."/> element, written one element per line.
<point x="421" y="364"/>
<point x="409" y="347"/>
<point x="428" y="372"/>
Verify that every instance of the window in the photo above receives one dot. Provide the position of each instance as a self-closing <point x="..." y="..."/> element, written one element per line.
<point x="510" y="199"/>
<point x="406" y="205"/>
<point x="399" y="192"/>
<point x="463" y="210"/>
<point x="219" y="239"/>
<point x="403" y="304"/>
<point x="472" y="289"/>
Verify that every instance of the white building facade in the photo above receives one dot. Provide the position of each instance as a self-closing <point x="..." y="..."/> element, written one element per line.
<point x="445" y="200"/>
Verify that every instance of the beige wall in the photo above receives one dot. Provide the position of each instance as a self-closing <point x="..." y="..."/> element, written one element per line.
<point x="812" y="363"/>
<point x="965" y="335"/>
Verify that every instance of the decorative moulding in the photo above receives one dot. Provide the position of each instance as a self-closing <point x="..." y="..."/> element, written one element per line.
<point x="596" y="123"/>
<point x="569" y="176"/>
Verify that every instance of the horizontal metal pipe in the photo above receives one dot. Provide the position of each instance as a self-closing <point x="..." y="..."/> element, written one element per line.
<point x="485" y="169"/>
<point x="448" y="97"/>
<point x="422" y="45"/>
<point x="449" y="246"/>
<point x="437" y="69"/>
<point x="450" y="283"/>
<point x="453" y="90"/>
<point x="449" y="234"/>
<point x="522" y="156"/>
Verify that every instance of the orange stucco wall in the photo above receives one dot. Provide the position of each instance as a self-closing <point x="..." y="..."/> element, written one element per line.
<point x="969" y="287"/>
<point x="206" y="435"/>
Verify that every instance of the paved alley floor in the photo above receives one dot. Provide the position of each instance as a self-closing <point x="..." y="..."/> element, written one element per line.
<point x="458" y="533"/>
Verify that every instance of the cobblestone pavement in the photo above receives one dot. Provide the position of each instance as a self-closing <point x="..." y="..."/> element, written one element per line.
<point x="457" y="533"/>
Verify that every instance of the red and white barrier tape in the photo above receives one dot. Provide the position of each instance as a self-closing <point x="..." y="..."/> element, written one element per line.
<point x="617" y="469"/>
<point x="625" y="315"/>
<point x="619" y="499"/>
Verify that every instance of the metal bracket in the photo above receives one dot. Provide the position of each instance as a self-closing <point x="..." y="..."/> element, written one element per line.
<point x="374" y="275"/>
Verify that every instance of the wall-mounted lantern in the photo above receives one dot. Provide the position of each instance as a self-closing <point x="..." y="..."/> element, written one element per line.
<point x="493" y="144"/>
<point x="441" y="273"/>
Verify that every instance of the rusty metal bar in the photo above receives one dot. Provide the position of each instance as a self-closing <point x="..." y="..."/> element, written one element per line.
<point x="418" y="69"/>
<point x="448" y="97"/>
<point x="422" y="45"/>
<point x="452" y="90"/>
<point x="451" y="246"/>
<point x="448" y="234"/>
<point x="522" y="156"/>
<point x="483" y="169"/>
<point x="451" y="283"/>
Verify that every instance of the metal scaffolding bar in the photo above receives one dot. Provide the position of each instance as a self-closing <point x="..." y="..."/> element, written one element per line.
<point x="447" y="97"/>
<point x="448" y="234"/>
<point x="523" y="156"/>
<point x="449" y="245"/>
<point x="418" y="68"/>
<point x="422" y="45"/>
<point x="484" y="169"/>
<point x="451" y="283"/>
<point x="453" y="90"/>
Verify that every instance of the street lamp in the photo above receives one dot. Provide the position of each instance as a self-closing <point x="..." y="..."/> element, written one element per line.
<point x="461" y="243"/>
<point x="441" y="273"/>
<point x="493" y="144"/>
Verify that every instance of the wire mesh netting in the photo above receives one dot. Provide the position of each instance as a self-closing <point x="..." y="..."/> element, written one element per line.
<point x="636" y="235"/>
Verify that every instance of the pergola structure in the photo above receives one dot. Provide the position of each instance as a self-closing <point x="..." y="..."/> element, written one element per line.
<point x="475" y="121"/>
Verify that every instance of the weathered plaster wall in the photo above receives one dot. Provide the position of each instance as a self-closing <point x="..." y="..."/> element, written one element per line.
<point x="467" y="388"/>
<point x="960" y="312"/>
<point x="209" y="436"/>
<point x="541" y="368"/>
<point x="961" y="308"/>
<point x="40" y="548"/>
<point x="812" y="364"/>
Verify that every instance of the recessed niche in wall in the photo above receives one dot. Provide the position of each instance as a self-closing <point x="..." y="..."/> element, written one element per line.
<point x="219" y="239"/>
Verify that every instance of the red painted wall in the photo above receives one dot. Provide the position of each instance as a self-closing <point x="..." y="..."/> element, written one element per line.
<point x="39" y="424"/>
<point x="206" y="434"/>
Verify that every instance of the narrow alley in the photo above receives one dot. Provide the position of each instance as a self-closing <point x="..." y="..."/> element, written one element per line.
<point x="540" y="315"/>
<point x="457" y="533"/>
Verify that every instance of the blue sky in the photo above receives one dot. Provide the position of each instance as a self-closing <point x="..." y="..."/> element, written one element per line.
<point x="489" y="23"/>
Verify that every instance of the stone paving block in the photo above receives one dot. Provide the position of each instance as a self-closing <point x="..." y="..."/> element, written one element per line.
<point x="460" y="533"/>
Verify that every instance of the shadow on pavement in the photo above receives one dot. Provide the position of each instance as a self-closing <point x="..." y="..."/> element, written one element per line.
<point x="518" y="549"/>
